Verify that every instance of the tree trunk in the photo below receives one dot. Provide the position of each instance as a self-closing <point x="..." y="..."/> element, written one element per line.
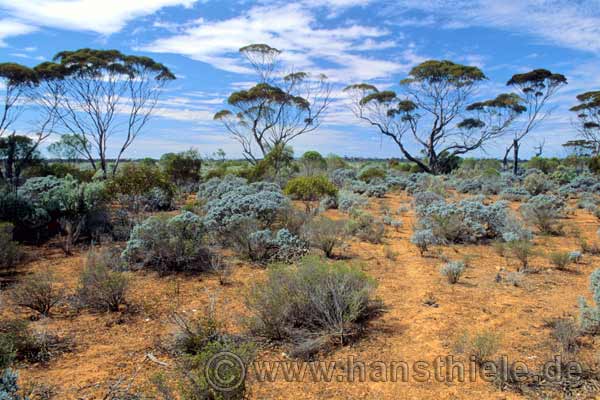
<point x="516" y="156"/>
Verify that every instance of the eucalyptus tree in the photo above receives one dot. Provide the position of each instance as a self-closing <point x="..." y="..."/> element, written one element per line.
<point x="277" y="109"/>
<point x="20" y="92"/>
<point x="588" y="116"/>
<point x="102" y="94"/>
<point x="436" y="111"/>
<point x="535" y="88"/>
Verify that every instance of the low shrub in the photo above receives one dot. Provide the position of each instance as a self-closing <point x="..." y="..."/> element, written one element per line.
<point x="453" y="271"/>
<point x="326" y="234"/>
<point x="340" y="177"/>
<point x="328" y="203"/>
<point x="544" y="211"/>
<point x="310" y="188"/>
<point x="182" y="168"/>
<point x="537" y="183"/>
<point x="480" y="347"/>
<point x="376" y="190"/>
<point x="101" y="287"/>
<point x="21" y="343"/>
<point x="521" y="250"/>
<point x="371" y="173"/>
<point x="10" y="253"/>
<point x="348" y="201"/>
<point x="175" y="244"/>
<point x="365" y="227"/>
<point x="9" y="388"/>
<point x="514" y="194"/>
<point x="560" y="260"/>
<point x="423" y="239"/>
<point x="38" y="292"/>
<point x="589" y="315"/>
<point x="283" y="246"/>
<point x="312" y="304"/>
<point x="198" y="341"/>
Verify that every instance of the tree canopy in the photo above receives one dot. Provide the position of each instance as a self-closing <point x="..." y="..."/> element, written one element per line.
<point x="433" y="110"/>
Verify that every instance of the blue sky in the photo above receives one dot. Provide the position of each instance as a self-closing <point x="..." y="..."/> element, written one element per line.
<point x="349" y="40"/>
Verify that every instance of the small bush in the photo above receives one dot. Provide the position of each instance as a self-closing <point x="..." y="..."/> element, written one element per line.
<point x="175" y="244"/>
<point x="19" y="342"/>
<point x="365" y="227"/>
<point x="453" y="271"/>
<point x="199" y="341"/>
<point x="481" y="347"/>
<point x="9" y="250"/>
<point x="423" y="239"/>
<point x="340" y="177"/>
<point x="589" y="316"/>
<point x="326" y="234"/>
<point x="100" y="286"/>
<point x="560" y="260"/>
<point x="348" y="201"/>
<point x="566" y="333"/>
<point x="543" y="211"/>
<point x="38" y="292"/>
<point x="537" y="183"/>
<point x="521" y="250"/>
<point x="9" y="388"/>
<point x="369" y="174"/>
<point x="310" y="188"/>
<point x="514" y="194"/>
<point x="314" y="302"/>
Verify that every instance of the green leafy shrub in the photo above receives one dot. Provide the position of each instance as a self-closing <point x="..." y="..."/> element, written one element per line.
<point x="182" y="168"/>
<point x="313" y="304"/>
<point x="142" y="186"/>
<point x="38" y="292"/>
<point x="310" y="188"/>
<point x="175" y="244"/>
<point x="313" y="163"/>
<point x="326" y="234"/>
<point x="371" y="173"/>
<point x="101" y="287"/>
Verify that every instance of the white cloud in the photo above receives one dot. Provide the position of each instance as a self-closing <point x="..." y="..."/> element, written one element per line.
<point x="568" y="23"/>
<point x="101" y="16"/>
<point x="10" y="27"/>
<point x="292" y="28"/>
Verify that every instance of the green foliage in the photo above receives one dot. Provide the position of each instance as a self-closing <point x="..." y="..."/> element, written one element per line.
<point x="310" y="188"/>
<point x="101" y="287"/>
<point x="313" y="304"/>
<point x="313" y="163"/>
<point x="371" y="173"/>
<point x="138" y="179"/>
<point x="182" y="168"/>
<point x="60" y="170"/>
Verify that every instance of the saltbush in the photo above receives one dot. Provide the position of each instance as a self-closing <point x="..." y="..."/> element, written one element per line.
<point x="340" y="177"/>
<point x="423" y="239"/>
<point x="589" y="315"/>
<point x="365" y="227"/>
<point x="453" y="271"/>
<point x="168" y="244"/>
<point x="537" y="183"/>
<point x="348" y="201"/>
<point x="514" y="194"/>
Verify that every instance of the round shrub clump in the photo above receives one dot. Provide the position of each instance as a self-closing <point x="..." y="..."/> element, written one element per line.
<point x="310" y="188"/>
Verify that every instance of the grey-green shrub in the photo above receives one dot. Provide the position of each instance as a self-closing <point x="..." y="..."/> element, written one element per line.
<point x="543" y="211"/>
<point x="589" y="315"/>
<point x="326" y="234"/>
<point x="453" y="271"/>
<point x="101" y="286"/>
<point x="313" y="301"/>
<point x="175" y="244"/>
